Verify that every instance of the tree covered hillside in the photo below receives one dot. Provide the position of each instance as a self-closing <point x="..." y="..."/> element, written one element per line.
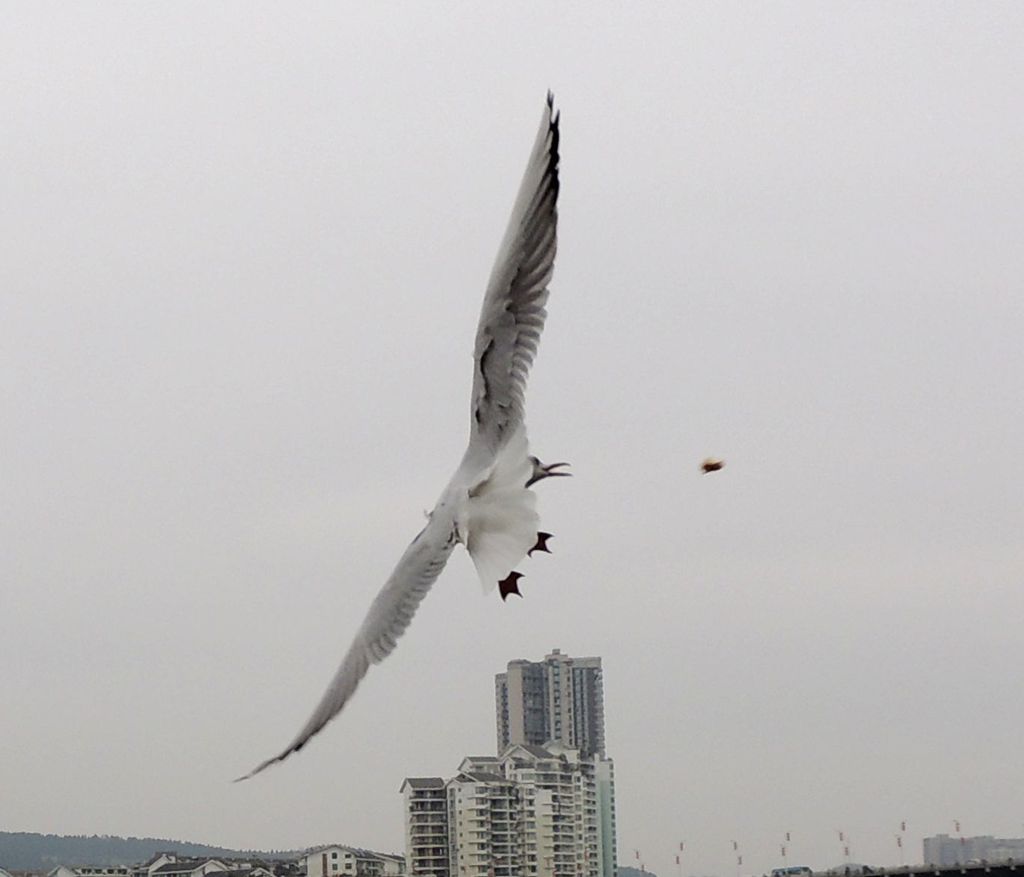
<point x="25" y="851"/>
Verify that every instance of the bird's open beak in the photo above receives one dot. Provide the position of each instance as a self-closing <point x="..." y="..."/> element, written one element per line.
<point x="542" y="471"/>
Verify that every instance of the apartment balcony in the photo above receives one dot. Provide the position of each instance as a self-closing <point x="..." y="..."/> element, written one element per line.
<point x="428" y="819"/>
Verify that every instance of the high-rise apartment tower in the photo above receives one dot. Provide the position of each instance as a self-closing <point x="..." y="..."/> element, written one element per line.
<point x="559" y="699"/>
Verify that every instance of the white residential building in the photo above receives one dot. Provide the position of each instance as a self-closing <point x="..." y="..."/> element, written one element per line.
<point x="155" y="861"/>
<point x="483" y="808"/>
<point x="336" y="860"/>
<point x="426" y="826"/>
<point x="189" y="868"/>
<point x="604" y="779"/>
<point x="533" y="811"/>
<point x="394" y="865"/>
<point x="246" y="869"/>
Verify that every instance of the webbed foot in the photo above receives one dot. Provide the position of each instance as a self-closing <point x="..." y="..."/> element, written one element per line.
<point x="542" y="544"/>
<point x="510" y="585"/>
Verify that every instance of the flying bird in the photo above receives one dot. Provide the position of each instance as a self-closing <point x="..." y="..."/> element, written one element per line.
<point x="711" y="465"/>
<point x="488" y="506"/>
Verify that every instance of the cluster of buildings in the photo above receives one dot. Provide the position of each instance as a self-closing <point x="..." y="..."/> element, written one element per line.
<point x="342" y="861"/>
<point x="544" y="805"/>
<point x="944" y="851"/>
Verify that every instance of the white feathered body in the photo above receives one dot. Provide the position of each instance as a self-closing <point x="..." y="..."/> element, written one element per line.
<point x="498" y="520"/>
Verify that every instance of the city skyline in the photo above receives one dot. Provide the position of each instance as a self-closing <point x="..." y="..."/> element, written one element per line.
<point x="939" y="851"/>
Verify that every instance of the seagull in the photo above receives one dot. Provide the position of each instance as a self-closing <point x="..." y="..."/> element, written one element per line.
<point x="488" y="506"/>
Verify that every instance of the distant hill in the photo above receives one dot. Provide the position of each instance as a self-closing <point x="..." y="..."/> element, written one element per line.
<point x="26" y="851"/>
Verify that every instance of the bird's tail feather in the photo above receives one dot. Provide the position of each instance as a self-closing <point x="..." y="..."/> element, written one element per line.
<point x="501" y="519"/>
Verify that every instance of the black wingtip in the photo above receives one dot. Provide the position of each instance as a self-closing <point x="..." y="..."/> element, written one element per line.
<point x="553" y="151"/>
<point x="263" y="766"/>
<point x="256" y="770"/>
<point x="552" y="112"/>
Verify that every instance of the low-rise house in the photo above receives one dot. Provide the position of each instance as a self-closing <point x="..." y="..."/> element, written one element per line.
<point x="394" y="865"/>
<point x="244" y="871"/>
<point x="89" y="871"/>
<point x="189" y="868"/>
<point x="155" y="861"/>
<point x="336" y="860"/>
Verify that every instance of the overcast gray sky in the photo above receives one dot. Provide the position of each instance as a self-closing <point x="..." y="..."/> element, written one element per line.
<point x="242" y="252"/>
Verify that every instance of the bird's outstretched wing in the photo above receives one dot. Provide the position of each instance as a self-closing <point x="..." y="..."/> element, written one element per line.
<point x="510" y="325"/>
<point x="513" y="311"/>
<point x="389" y="616"/>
